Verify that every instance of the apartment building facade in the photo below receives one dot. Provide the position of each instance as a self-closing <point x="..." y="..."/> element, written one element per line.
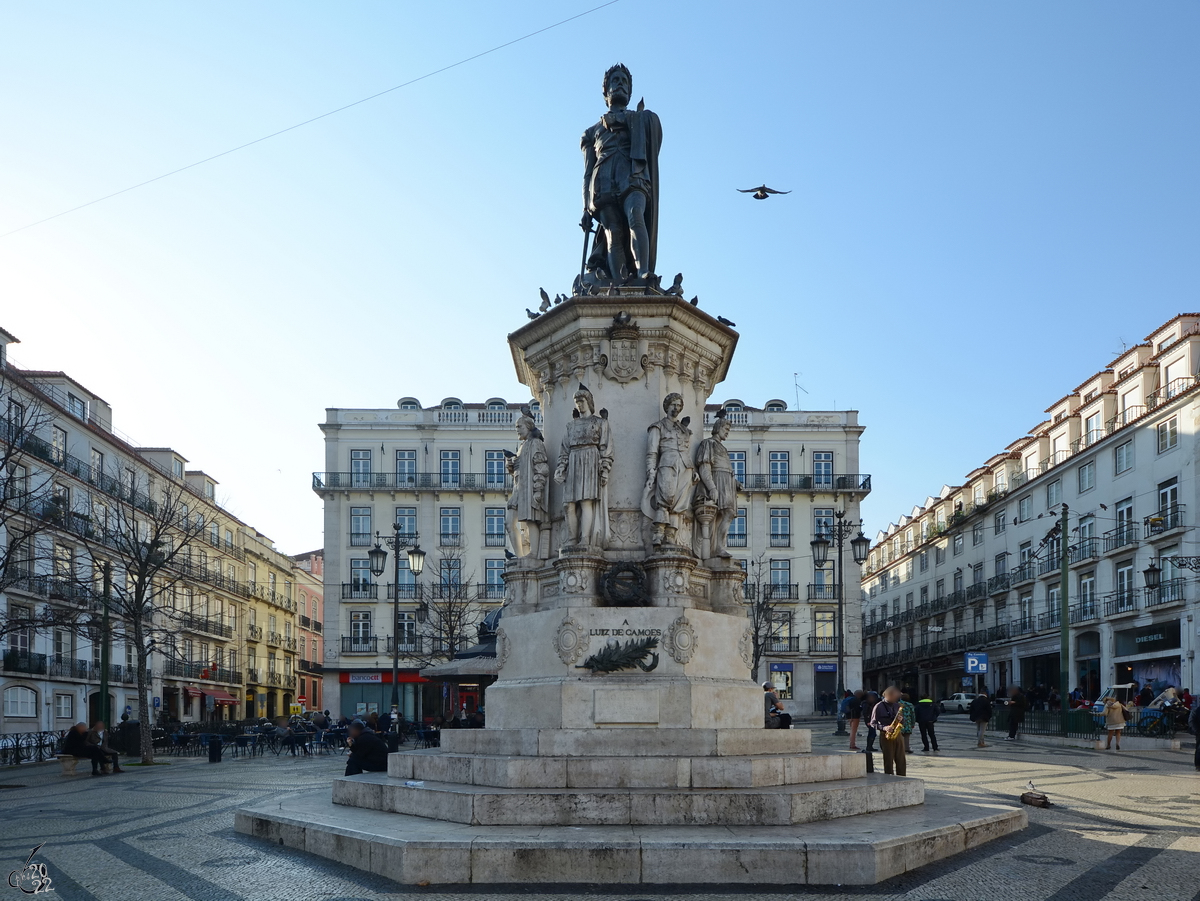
<point x="310" y="582"/>
<point x="230" y="643"/>
<point x="978" y="567"/>
<point x="440" y="472"/>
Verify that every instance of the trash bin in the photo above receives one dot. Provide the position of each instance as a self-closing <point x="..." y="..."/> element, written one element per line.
<point x="215" y="747"/>
<point x="393" y="741"/>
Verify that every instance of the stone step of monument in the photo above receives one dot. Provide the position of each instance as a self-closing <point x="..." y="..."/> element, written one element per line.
<point x="636" y="742"/>
<point x="489" y="806"/>
<point x="751" y="771"/>
<point x="859" y="850"/>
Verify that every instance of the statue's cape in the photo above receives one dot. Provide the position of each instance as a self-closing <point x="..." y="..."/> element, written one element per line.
<point x="645" y="139"/>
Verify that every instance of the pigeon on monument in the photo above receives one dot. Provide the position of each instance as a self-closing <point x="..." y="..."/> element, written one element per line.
<point x="696" y="301"/>
<point x="724" y="321"/>
<point x="676" y="286"/>
<point x="761" y="192"/>
<point x="531" y="314"/>
<point x="545" y="300"/>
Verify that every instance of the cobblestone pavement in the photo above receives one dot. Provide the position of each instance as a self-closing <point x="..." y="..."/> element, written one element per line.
<point x="1123" y="827"/>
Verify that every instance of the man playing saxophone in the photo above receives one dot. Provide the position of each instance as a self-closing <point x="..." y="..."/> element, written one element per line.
<point x="888" y="718"/>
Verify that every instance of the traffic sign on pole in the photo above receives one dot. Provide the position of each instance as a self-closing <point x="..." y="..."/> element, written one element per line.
<point x="976" y="663"/>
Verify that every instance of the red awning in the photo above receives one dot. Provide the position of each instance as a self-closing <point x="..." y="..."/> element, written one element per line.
<point x="220" y="697"/>
<point x="192" y="692"/>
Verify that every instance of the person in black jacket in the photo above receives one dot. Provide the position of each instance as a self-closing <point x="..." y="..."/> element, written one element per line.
<point x="980" y="713"/>
<point x="76" y="744"/>
<point x="368" y="753"/>
<point x="1017" y="705"/>
<point x="927" y="714"/>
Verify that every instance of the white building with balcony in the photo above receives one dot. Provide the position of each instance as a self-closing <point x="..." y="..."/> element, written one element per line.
<point x="440" y="472"/>
<point x="978" y="567"/>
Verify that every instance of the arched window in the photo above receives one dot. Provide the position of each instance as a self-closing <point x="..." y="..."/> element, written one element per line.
<point x="776" y="407"/>
<point x="409" y="405"/>
<point x="20" y="701"/>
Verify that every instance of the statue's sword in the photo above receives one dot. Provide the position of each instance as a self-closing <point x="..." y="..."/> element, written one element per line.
<point x="587" y="233"/>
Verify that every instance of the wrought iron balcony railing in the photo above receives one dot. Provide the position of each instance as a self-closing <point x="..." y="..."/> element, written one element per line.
<point x="416" y="481"/>
<point x="360" y="644"/>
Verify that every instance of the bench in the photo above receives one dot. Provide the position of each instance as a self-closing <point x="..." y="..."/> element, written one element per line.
<point x="69" y="762"/>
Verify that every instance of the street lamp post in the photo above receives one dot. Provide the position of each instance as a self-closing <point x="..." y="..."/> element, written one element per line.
<point x="860" y="546"/>
<point x="416" y="563"/>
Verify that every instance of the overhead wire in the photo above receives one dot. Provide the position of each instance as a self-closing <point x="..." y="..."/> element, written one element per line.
<point x="324" y="115"/>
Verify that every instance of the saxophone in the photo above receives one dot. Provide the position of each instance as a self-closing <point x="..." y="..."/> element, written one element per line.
<point x="893" y="731"/>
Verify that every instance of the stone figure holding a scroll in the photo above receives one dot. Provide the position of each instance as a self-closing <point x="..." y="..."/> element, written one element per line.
<point x="584" y="464"/>
<point x="620" y="185"/>
<point x="530" y="469"/>
<point x="669" y="473"/>
<point x="716" y="495"/>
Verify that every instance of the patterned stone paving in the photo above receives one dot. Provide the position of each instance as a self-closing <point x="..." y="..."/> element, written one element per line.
<point x="1123" y="827"/>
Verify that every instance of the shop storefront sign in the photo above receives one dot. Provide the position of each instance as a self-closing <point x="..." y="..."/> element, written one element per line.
<point x="1148" y="639"/>
<point x="365" y="677"/>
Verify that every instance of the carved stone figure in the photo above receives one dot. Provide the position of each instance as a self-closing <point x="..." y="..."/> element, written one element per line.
<point x="530" y="469"/>
<point x="669" y="473"/>
<point x="584" y="464"/>
<point x="716" y="494"/>
<point x="620" y="185"/>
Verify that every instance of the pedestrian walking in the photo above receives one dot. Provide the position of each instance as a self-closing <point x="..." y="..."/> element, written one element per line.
<point x="980" y="713"/>
<point x="927" y="715"/>
<point x="854" y="712"/>
<point x="1017" y="705"/>
<point x="886" y="718"/>
<point x="823" y="703"/>
<point x="1114" y="721"/>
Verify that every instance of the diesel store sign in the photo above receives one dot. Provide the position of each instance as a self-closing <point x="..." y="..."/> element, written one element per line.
<point x="1148" y="639"/>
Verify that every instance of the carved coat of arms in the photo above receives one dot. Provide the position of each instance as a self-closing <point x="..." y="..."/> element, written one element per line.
<point x="624" y="360"/>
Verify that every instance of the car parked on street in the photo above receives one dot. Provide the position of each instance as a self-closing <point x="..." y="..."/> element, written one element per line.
<point x="956" y="703"/>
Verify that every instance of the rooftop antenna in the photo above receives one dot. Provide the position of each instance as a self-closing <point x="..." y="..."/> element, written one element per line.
<point x="799" y="388"/>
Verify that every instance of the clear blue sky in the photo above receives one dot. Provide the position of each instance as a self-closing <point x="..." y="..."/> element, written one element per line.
<point x="988" y="199"/>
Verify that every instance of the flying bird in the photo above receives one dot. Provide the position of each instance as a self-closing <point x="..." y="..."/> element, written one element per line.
<point x="545" y="300"/>
<point x="724" y="321"/>
<point x="696" y="301"/>
<point x="622" y="318"/>
<point x="531" y="314"/>
<point x="761" y="192"/>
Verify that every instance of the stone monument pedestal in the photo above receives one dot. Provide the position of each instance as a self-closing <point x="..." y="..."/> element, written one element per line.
<point x="625" y="740"/>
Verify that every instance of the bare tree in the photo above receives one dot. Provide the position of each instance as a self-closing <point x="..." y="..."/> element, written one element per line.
<point x="453" y="611"/>
<point x="143" y="537"/>
<point x="29" y="507"/>
<point x="763" y="608"/>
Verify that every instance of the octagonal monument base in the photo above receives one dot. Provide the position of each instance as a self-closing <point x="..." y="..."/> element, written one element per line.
<point x="858" y="850"/>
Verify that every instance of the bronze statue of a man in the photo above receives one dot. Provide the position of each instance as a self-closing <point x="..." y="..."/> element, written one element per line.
<point x="530" y="469"/>
<point x="620" y="185"/>
<point x="716" y="495"/>
<point x="584" y="463"/>
<point x="669" y="473"/>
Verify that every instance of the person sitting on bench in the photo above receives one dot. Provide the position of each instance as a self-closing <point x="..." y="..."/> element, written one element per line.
<point x="75" y="743"/>
<point x="98" y="738"/>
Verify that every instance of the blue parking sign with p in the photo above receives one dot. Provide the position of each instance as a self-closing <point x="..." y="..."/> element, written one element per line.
<point x="976" y="664"/>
